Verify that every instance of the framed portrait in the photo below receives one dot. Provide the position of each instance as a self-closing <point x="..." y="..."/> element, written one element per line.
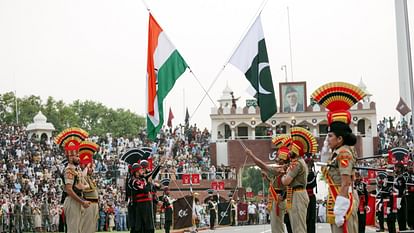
<point x="292" y="97"/>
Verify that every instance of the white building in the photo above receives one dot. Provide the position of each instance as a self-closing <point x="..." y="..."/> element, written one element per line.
<point x="243" y="122"/>
<point x="40" y="128"/>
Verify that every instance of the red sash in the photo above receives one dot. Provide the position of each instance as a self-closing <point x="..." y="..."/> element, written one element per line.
<point x="333" y="193"/>
<point x="275" y="199"/>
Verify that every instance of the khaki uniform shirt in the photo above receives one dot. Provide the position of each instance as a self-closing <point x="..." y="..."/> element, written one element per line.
<point x="90" y="193"/>
<point x="343" y="160"/>
<point x="298" y="170"/>
<point x="70" y="173"/>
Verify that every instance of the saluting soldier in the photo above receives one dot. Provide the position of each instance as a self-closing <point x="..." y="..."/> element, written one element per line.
<point x="361" y="188"/>
<point x="277" y="191"/>
<point x="73" y="205"/>
<point x="342" y="205"/>
<point x="91" y="215"/>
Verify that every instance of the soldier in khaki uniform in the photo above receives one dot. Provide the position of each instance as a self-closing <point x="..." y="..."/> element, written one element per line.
<point x="74" y="204"/>
<point x="91" y="215"/>
<point x="342" y="206"/>
<point x="277" y="190"/>
<point x="296" y="178"/>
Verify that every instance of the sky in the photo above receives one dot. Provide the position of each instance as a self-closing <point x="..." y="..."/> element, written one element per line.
<point x="97" y="49"/>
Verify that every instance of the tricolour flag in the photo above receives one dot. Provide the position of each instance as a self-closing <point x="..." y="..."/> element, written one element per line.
<point x="164" y="66"/>
<point x="251" y="58"/>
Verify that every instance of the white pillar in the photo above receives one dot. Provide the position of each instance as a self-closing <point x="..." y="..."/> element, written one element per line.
<point x="253" y="130"/>
<point x="233" y="133"/>
<point x="405" y="70"/>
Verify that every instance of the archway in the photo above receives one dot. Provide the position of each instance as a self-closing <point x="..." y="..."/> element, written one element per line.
<point x="43" y="138"/>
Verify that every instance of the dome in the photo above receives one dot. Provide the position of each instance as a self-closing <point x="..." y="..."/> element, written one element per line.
<point x="362" y="85"/>
<point x="226" y="93"/>
<point x="40" y="123"/>
<point x="40" y="118"/>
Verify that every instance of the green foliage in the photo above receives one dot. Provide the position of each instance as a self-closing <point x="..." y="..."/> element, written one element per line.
<point x="252" y="177"/>
<point x="89" y="115"/>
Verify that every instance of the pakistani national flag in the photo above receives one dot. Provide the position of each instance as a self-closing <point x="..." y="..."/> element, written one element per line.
<point x="251" y="58"/>
<point x="164" y="66"/>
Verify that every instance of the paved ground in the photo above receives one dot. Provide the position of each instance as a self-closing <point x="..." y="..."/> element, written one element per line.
<point x="320" y="228"/>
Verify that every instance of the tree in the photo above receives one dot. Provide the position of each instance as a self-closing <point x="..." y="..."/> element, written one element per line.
<point x="252" y="177"/>
<point x="92" y="116"/>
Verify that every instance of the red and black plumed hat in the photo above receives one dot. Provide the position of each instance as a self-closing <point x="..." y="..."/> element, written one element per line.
<point x="70" y="138"/>
<point x="338" y="98"/>
<point x="87" y="149"/>
<point x="303" y="142"/>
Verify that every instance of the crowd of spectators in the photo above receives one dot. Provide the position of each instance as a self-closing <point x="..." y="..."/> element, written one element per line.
<point x="31" y="170"/>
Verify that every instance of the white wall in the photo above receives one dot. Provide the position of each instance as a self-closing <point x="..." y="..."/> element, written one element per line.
<point x="222" y="153"/>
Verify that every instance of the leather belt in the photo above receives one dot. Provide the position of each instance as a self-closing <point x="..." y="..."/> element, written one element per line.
<point x="92" y="200"/>
<point x="298" y="189"/>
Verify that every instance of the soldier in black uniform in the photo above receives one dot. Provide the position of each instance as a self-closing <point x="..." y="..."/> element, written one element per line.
<point x="410" y="195"/>
<point x="142" y="221"/>
<point x="361" y="188"/>
<point x="167" y="206"/>
<point x="390" y="200"/>
<point x="129" y="194"/>
<point x="400" y="187"/>
<point x="379" y="202"/>
<point x="154" y="186"/>
<point x="311" y="184"/>
<point x="211" y="206"/>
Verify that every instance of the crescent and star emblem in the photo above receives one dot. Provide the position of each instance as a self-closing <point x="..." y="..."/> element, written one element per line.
<point x="263" y="91"/>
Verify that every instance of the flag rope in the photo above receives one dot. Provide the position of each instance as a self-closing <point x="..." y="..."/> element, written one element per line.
<point x="206" y="94"/>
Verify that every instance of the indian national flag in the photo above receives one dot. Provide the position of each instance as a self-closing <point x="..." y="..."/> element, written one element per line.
<point x="251" y="58"/>
<point x="165" y="66"/>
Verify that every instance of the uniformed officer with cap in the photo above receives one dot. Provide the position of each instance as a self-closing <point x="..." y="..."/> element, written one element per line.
<point x="143" y="221"/>
<point x="342" y="204"/>
<point x="211" y="206"/>
<point x="379" y="202"/>
<point x="277" y="190"/>
<point x="167" y="205"/>
<point x="296" y="177"/>
<point x="73" y="205"/>
<point x="90" y="217"/>
<point x="361" y="188"/>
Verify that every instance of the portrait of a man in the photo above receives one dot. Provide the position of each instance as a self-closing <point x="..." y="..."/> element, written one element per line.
<point x="293" y="97"/>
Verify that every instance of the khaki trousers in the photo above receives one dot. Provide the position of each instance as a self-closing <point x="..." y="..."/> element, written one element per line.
<point x="73" y="214"/>
<point x="276" y="221"/>
<point x="89" y="218"/>
<point x="352" y="222"/>
<point x="297" y="215"/>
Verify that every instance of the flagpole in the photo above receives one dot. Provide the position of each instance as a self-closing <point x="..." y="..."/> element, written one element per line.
<point x="290" y="45"/>
<point x="146" y="6"/>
